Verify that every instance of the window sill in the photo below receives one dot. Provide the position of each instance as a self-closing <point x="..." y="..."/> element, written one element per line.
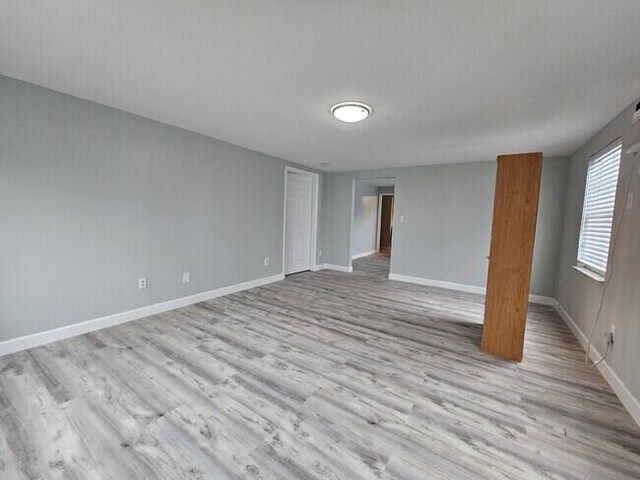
<point x="592" y="275"/>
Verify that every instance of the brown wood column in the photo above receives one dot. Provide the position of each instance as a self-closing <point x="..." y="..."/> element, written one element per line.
<point x="515" y="211"/>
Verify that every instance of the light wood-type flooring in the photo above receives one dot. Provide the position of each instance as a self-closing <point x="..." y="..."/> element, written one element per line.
<point x="324" y="375"/>
<point x="376" y="265"/>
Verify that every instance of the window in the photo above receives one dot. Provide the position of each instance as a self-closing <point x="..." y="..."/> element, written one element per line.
<point x="597" y="213"/>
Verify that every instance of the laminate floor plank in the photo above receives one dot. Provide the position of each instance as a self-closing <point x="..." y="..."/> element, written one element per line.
<point x="376" y="265"/>
<point x="324" y="375"/>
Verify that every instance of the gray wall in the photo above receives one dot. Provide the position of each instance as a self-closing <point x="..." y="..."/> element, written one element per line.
<point x="93" y="198"/>
<point x="448" y="210"/>
<point x="580" y="295"/>
<point x="365" y="218"/>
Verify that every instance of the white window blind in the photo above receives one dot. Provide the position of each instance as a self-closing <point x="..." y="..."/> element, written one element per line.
<point x="597" y="213"/>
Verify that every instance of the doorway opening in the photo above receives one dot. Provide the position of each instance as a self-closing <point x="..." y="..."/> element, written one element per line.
<point x="385" y="223"/>
<point x="372" y="226"/>
<point x="300" y="220"/>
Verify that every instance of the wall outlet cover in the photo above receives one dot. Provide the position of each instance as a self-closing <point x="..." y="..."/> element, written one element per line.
<point x="186" y="277"/>
<point x="142" y="283"/>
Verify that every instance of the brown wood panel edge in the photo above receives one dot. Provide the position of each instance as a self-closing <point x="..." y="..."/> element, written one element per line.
<point x="514" y="221"/>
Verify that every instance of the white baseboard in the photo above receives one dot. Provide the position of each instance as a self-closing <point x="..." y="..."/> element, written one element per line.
<point x="337" y="268"/>
<point x="631" y="403"/>
<point x="461" y="287"/>
<point x="542" y="300"/>
<point x="363" y="254"/>
<point x="41" y="338"/>
<point x="436" y="283"/>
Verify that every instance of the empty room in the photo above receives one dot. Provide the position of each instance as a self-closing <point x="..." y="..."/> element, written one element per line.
<point x="320" y="240"/>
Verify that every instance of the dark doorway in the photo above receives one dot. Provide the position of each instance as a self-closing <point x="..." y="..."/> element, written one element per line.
<point x="386" y="223"/>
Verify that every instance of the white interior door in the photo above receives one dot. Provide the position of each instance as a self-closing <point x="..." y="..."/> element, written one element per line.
<point x="298" y="226"/>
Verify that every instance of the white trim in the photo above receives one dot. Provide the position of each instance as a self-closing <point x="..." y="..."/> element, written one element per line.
<point x="589" y="273"/>
<point x="364" y="254"/>
<point x="542" y="300"/>
<point x="436" y="283"/>
<point x="461" y="287"/>
<point x="315" y="183"/>
<point x="337" y="268"/>
<point x="379" y="225"/>
<point x="41" y="338"/>
<point x="631" y="403"/>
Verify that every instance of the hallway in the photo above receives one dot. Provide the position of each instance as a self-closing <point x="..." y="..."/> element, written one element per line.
<point x="376" y="265"/>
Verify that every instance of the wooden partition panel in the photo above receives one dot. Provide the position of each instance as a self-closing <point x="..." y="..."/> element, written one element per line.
<point x="515" y="211"/>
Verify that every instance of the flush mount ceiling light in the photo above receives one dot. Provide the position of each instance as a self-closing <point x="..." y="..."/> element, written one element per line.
<point x="351" y="112"/>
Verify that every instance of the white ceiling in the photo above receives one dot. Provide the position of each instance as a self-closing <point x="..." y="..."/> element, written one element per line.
<point x="449" y="81"/>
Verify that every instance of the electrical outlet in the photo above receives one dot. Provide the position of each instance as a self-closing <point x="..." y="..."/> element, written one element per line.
<point x="142" y="283"/>
<point x="320" y="252"/>
<point x="186" y="277"/>
<point x="630" y="201"/>
<point x="266" y="262"/>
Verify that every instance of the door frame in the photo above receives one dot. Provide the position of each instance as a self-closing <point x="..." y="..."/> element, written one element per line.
<point x="379" y="226"/>
<point x="315" y="179"/>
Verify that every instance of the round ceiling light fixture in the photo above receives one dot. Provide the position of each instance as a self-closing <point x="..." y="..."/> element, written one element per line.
<point x="351" y="112"/>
